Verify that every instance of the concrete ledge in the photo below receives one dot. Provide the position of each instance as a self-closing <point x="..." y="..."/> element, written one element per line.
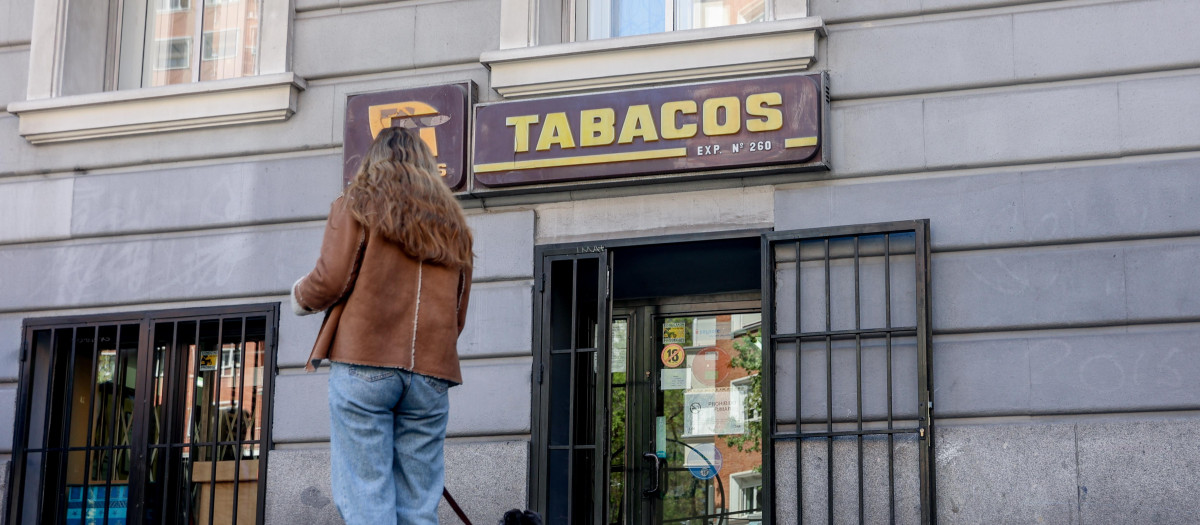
<point x="747" y="49"/>
<point x="246" y="100"/>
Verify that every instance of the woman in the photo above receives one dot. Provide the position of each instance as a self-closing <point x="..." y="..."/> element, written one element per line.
<point x="394" y="275"/>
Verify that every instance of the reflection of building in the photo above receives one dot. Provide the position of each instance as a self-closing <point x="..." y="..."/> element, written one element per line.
<point x="999" y="217"/>
<point x="227" y="47"/>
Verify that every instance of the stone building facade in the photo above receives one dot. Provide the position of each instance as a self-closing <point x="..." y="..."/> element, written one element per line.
<point x="1050" y="148"/>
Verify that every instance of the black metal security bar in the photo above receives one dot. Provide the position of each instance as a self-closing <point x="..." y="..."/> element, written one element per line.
<point x="127" y="450"/>
<point x="821" y="318"/>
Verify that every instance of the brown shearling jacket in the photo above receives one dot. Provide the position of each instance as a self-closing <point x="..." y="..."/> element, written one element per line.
<point x="384" y="308"/>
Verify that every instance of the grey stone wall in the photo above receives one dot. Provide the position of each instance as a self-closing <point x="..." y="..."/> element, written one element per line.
<point x="1061" y="188"/>
<point x="4" y="467"/>
<point x="1052" y="144"/>
<point x="1119" y="469"/>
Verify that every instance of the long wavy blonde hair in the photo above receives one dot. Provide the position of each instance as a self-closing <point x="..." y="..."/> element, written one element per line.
<point x="399" y="193"/>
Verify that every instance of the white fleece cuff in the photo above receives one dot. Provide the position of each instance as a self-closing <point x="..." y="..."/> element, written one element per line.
<point x="296" y="308"/>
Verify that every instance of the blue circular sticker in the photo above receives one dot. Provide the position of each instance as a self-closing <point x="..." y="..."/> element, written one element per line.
<point x="703" y="460"/>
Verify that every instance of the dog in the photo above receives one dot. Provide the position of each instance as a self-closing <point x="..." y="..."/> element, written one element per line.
<point x="518" y="517"/>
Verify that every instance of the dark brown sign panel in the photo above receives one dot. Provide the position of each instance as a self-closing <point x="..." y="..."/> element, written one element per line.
<point x="438" y="114"/>
<point x="743" y="123"/>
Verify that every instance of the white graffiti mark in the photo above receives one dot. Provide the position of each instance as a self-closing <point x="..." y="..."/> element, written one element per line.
<point x="1102" y="373"/>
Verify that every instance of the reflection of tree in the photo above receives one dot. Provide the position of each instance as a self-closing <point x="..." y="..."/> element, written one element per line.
<point x="749" y="358"/>
<point x="616" y="445"/>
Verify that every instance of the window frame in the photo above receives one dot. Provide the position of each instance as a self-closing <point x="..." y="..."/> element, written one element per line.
<point x="139" y="442"/>
<point x="49" y="115"/>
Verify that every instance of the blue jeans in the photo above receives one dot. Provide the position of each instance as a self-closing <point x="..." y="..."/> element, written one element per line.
<point x="387" y="430"/>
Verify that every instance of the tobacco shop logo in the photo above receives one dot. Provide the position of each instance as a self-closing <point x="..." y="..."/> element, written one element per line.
<point x="436" y="114"/>
<point x="411" y="115"/>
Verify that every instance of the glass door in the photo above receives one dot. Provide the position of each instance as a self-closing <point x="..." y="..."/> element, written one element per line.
<point x="685" y="436"/>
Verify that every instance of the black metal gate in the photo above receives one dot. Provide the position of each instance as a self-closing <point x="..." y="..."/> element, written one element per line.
<point x="847" y="320"/>
<point x="569" y="416"/>
<point x="152" y="417"/>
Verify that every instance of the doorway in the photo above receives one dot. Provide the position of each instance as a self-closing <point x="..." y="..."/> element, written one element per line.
<point x="737" y="378"/>
<point x="630" y="337"/>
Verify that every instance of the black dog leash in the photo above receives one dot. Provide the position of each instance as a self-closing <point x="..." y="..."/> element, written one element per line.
<point x="454" y="505"/>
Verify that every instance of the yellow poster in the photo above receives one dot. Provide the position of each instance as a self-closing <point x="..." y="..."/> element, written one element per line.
<point x="674" y="331"/>
<point x="208" y="360"/>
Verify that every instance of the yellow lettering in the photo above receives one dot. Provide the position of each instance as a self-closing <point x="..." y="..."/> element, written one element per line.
<point x="670" y="119"/>
<point x="756" y="105"/>
<point x="639" y="122"/>
<point x="521" y="133"/>
<point x="597" y="127"/>
<point x="556" y="130"/>
<point x="733" y="116"/>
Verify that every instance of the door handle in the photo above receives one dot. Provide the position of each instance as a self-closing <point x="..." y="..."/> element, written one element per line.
<point x="656" y="461"/>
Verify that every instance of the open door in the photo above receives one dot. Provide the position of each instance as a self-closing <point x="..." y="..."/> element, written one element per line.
<point x="848" y="340"/>
<point x="569" y="386"/>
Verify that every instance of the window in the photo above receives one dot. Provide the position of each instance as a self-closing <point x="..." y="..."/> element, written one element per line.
<point x="103" y="69"/>
<point x="613" y="18"/>
<point x="174" y="53"/>
<point x="231" y="360"/>
<point x="747" y="495"/>
<point x="97" y="438"/>
<point x="589" y="45"/>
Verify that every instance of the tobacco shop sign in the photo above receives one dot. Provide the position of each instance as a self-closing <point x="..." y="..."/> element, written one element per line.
<point x="760" y="122"/>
